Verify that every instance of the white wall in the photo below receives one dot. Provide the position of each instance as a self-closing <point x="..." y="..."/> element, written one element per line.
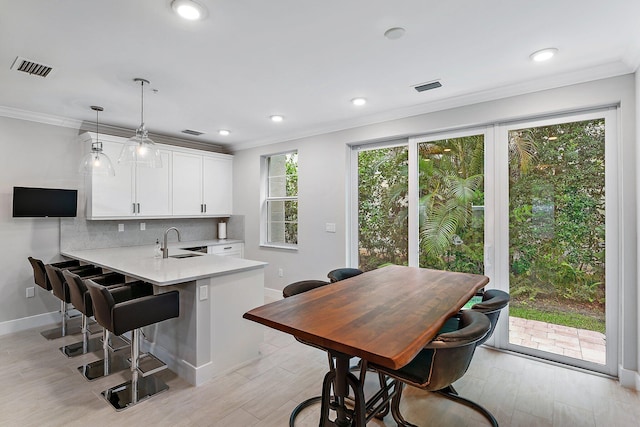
<point x="33" y="155"/>
<point x="637" y="320"/>
<point x="323" y="184"/>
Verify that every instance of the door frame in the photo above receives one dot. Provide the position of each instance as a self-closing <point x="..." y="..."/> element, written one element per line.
<point x="613" y="262"/>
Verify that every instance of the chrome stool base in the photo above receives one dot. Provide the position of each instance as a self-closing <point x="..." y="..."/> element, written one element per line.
<point x="79" y="348"/>
<point x="97" y="369"/>
<point x="73" y="327"/>
<point x="123" y="396"/>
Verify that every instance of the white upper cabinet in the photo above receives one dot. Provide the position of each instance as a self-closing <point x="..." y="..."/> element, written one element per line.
<point x="202" y="184"/>
<point x="153" y="188"/>
<point x="187" y="184"/>
<point x="110" y="196"/>
<point x="217" y="185"/>
<point x="190" y="183"/>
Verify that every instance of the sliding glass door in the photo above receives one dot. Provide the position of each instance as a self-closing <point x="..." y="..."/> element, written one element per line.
<point x="533" y="205"/>
<point x="558" y="215"/>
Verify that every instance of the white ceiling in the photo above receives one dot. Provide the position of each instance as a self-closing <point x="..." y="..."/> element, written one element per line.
<point x="303" y="59"/>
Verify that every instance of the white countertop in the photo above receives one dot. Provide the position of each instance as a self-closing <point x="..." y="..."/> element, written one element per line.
<point x="139" y="262"/>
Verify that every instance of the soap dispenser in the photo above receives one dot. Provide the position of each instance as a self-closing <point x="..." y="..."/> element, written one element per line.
<point x="157" y="252"/>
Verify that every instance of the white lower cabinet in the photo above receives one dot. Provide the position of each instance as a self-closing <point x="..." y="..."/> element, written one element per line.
<point x="233" y="250"/>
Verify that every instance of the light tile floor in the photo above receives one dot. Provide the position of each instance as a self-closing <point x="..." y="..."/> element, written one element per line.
<point x="564" y="340"/>
<point x="41" y="387"/>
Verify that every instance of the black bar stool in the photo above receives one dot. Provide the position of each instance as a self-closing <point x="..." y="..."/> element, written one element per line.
<point x="61" y="291"/>
<point x="110" y="344"/>
<point x="40" y="278"/>
<point x="81" y="300"/>
<point x="121" y="317"/>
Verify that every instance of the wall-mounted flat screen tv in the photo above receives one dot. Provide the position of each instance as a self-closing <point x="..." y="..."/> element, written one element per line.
<point x="30" y="202"/>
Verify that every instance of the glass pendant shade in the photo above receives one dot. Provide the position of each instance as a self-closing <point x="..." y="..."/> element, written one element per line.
<point x="95" y="162"/>
<point x="140" y="149"/>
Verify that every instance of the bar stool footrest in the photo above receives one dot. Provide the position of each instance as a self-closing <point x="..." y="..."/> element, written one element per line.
<point x="117" y="343"/>
<point x="122" y="396"/>
<point x="79" y="348"/>
<point x="95" y="370"/>
<point x="148" y="364"/>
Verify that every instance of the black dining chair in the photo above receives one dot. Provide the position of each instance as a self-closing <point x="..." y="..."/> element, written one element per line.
<point x="493" y="301"/>
<point x="440" y="363"/>
<point x="343" y="273"/>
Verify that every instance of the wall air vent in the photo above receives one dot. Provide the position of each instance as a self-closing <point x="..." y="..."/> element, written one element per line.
<point x="31" y="67"/>
<point x="192" y="132"/>
<point x="428" y="86"/>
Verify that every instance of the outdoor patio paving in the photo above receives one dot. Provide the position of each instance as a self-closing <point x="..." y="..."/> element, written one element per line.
<point x="572" y="342"/>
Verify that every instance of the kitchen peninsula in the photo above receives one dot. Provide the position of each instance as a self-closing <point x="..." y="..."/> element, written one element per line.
<point x="210" y="337"/>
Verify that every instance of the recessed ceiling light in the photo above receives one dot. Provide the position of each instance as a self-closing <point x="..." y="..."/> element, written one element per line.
<point x="359" y="101"/>
<point x="189" y="9"/>
<point x="224" y="132"/>
<point x="277" y="118"/>
<point x="394" y="33"/>
<point x="543" y="55"/>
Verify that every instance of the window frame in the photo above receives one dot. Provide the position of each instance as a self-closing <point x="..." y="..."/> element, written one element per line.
<point x="265" y="198"/>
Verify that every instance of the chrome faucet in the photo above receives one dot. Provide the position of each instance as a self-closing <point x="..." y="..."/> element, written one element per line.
<point x="165" y="248"/>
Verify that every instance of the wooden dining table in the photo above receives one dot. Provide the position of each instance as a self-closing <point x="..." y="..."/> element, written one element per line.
<point x="384" y="316"/>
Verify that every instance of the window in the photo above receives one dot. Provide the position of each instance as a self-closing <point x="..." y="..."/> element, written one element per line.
<point x="280" y="208"/>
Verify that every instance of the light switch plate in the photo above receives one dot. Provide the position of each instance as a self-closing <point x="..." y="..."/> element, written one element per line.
<point x="330" y="227"/>
<point x="204" y="292"/>
<point x="120" y="227"/>
<point x="143" y="226"/>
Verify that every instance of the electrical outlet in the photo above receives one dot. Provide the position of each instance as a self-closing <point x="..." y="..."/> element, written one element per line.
<point x="330" y="227"/>
<point x="280" y="272"/>
<point x="120" y="227"/>
<point x="204" y="292"/>
<point x="143" y="226"/>
<point x="31" y="292"/>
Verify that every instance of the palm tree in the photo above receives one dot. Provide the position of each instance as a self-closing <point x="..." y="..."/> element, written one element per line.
<point x="450" y="178"/>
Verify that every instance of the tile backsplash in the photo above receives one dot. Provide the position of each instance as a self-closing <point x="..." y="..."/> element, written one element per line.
<point x="79" y="233"/>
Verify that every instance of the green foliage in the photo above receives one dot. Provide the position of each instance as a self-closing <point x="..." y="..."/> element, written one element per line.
<point x="451" y="182"/>
<point x="556" y="217"/>
<point x="556" y="224"/>
<point x="383" y="207"/>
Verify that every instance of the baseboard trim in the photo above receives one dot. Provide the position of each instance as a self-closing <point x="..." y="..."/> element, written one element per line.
<point x="628" y="378"/>
<point x="272" y="294"/>
<point x="39" y="320"/>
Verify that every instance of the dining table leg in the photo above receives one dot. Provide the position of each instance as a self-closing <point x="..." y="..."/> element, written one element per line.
<point x="342" y="380"/>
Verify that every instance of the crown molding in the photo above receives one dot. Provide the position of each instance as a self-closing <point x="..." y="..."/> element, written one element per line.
<point x="609" y="70"/>
<point x="82" y="126"/>
<point x="47" y="119"/>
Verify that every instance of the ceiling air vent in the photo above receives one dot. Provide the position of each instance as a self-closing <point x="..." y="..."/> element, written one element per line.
<point x="192" y="132"/>
<point x="428" y="86"/>
<point x="31" y="67"/>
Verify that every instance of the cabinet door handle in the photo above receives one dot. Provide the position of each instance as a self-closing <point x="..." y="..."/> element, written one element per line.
<point x="134" y="207"/>
<point x="201" y="208"/>
<point x="138" y="205"/>
<point x="205" y="207"/>
<point x="228" y="247"/>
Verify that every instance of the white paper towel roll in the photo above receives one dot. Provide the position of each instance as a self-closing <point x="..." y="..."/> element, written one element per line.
<point x="222" y="230"/>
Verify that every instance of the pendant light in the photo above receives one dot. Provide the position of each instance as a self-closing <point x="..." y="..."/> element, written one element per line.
<point x="140" y="149"/>
<point x="96" y="162"/>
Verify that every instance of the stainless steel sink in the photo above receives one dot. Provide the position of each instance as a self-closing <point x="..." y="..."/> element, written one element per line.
<point x="184" y="256"/>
